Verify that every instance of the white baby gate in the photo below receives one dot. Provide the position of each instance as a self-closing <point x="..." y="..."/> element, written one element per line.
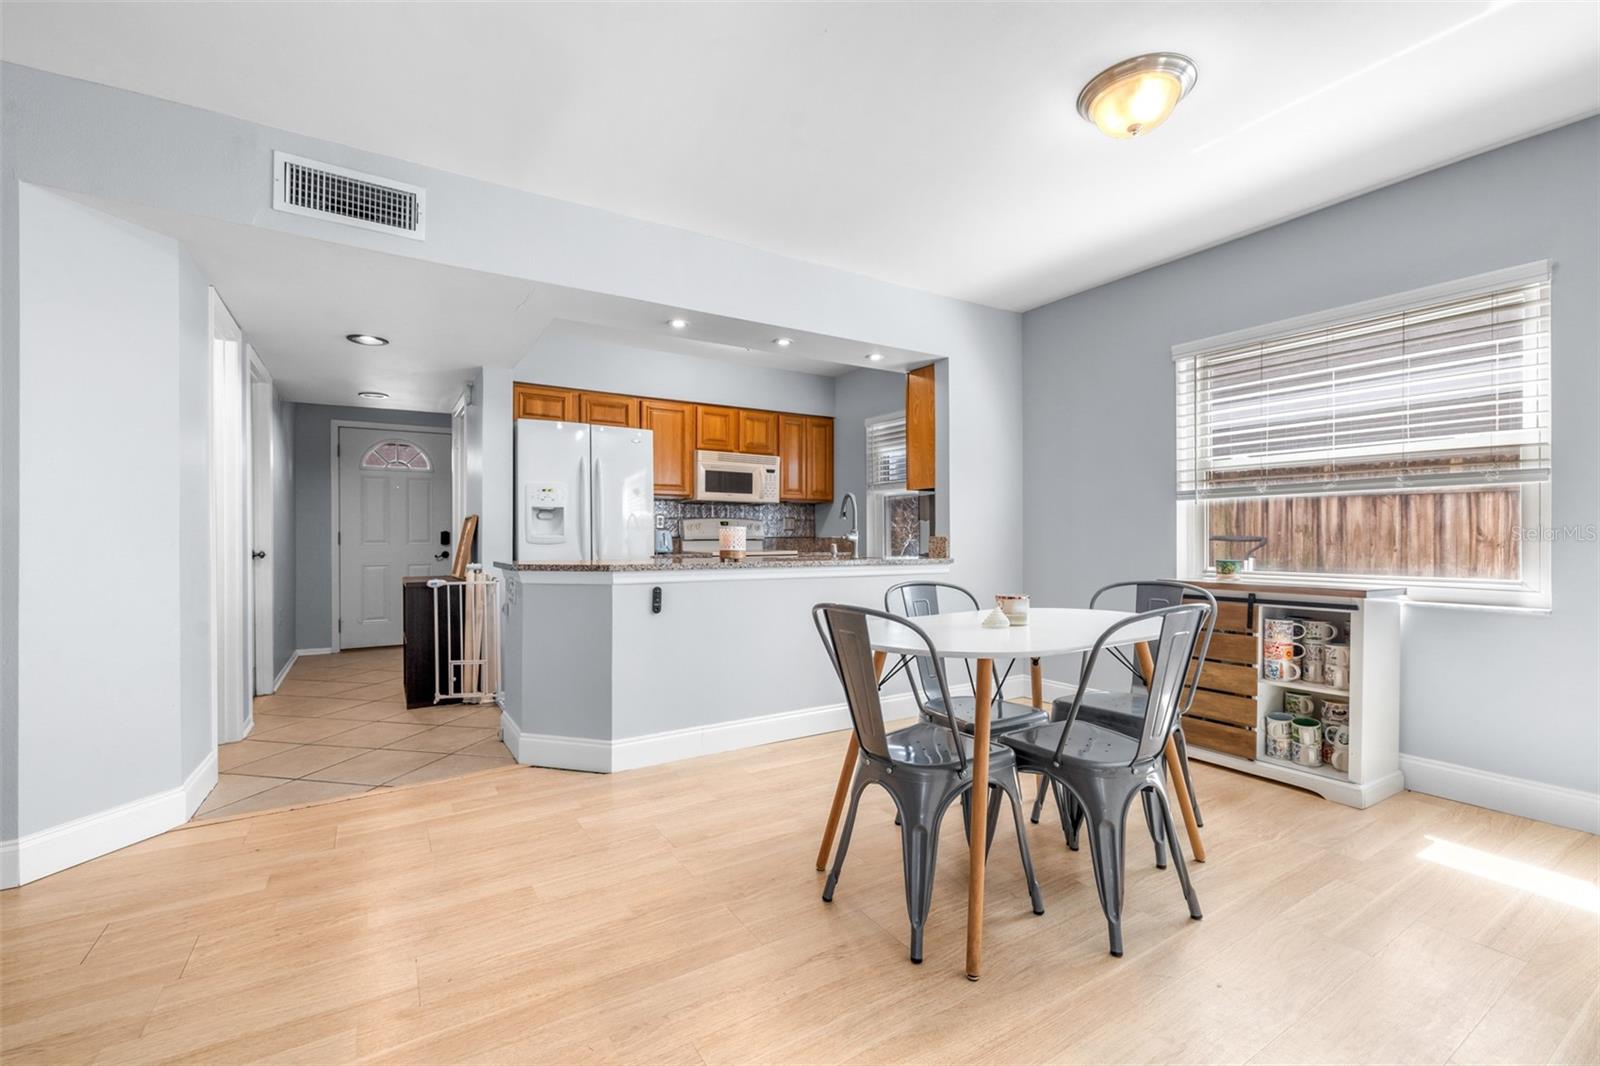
<point x="466" y="637"/>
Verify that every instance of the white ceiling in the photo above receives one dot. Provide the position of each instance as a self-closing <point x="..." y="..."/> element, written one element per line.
<point x="933" y="145"/>
<point x="296" y="298"/>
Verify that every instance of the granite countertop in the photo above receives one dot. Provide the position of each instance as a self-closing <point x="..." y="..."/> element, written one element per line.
<point x="711" y="562"/>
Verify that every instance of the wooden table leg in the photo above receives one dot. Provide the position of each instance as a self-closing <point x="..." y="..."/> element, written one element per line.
<point x="1038" y="682"/>
<point x="980" y="818"/>
<point x="1147" y="667"/>
<point x="846" y="772"/>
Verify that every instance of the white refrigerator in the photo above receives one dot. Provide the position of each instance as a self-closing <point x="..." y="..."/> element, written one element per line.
<point x="584" y="493"/>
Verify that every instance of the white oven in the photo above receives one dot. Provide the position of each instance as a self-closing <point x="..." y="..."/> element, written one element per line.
<point x="735" y="478"/>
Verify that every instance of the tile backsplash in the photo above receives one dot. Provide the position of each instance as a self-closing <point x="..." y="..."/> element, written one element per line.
<point x="777" y="519"/>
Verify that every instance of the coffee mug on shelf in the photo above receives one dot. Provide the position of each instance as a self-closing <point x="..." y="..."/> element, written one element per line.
<point x="1280" y="670"/>
<point x="1336" y="655"/>
<point x="1280" y="747"/>
<point x="1335" y="711"/>
<point x="1336" y="677"/>
<point x="1336" y="746"/>
<point x="1312" y="669"/>
<point x="1317" y="629"/>
<point x="1280" y="724"/>
<point x="1279" y="629"/>
<point x="1306" y="754"/>
<point x="1299" y="704"/>
<point x="1283" y="649"/>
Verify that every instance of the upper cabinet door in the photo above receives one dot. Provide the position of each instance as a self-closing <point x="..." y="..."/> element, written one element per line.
<point x="716" y="428"/>
<point x="819" y="459"/>
<point x="541" y="401"/>
<point x="758" y="432"/>
<point x="672" y="426"/>
<point x="920" y="416"/>
<point x="604" y="409"/>
<point x="792" y="458"/>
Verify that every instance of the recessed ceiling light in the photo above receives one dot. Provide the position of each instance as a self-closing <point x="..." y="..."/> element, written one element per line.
<point x="679" y="323"/>
<point x="367" y="339"/>
<point x="1137" y="95"/>
<point x="874" y="357"/>
<point x="783" y="342"/>
<point x="373" y="395"/>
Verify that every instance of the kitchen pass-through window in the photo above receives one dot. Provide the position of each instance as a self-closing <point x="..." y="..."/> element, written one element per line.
<point x="1403" y="441"/>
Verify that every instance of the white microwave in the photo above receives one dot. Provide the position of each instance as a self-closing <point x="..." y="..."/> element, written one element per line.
<point x="734" y="478"/>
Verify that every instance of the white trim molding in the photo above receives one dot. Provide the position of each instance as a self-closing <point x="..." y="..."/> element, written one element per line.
<point x="599" y="756"/>
<point x="1555" y="804"/>
<point x="55" y="849"/>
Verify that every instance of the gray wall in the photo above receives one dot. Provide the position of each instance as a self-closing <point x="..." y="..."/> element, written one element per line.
<point x="194" y="576"/>
<point x="582" y="361"/>
<point x="857" y="396"/>
<point x="313" y="508"/>
<point x="101" y="491"/>
<point x="1507" y="692"/>
<point x="283" y="548"/>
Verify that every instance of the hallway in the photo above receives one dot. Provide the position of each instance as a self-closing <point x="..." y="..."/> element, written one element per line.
<point x="338" y="726"/>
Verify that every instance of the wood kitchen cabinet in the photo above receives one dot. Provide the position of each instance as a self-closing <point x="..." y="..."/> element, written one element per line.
<point x="672" y="426"/>
<point x="805" y="458"/>
<point x="920" y="441"/>
<point x="758" y="432"/>
<point x="541" y="401"/>
<point x="605" y="409"/>
<point x="716" y="429"/>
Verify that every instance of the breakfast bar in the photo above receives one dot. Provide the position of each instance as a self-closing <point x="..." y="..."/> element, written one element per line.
<point x="615" y="665"/>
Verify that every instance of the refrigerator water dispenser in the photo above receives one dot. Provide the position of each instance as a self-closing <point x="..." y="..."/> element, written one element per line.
<point x="546" y="521"/>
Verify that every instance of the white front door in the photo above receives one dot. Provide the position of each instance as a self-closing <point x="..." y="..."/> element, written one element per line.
<point x="394" y="504"/>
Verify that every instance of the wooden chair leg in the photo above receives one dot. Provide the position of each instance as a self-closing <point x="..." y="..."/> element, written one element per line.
<point x="1147" y="666"/>
<point x="846" y="772"/>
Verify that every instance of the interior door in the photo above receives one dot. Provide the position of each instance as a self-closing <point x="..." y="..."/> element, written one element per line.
<point x="230" y="468"/>
<point x="394" y="523"/>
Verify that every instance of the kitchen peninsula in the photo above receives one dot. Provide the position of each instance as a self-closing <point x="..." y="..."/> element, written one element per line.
<point x="615" y="665"/>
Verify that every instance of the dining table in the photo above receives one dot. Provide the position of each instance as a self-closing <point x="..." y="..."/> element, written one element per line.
<point x="1049" y="631"/>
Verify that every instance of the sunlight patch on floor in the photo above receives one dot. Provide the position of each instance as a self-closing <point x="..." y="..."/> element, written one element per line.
<point x="1563" y="888"/>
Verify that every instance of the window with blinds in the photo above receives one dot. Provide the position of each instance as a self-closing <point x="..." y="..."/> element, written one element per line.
<point x="1407" y="437"/>
<point x="886" y="450"/>
<point x="1451" y="391"/>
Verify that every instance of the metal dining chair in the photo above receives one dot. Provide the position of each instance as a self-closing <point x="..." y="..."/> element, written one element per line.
<point x="1121" y="710"/>
<point x="919" y="599"/>
<point x="1101" y="769"/>
<point x="924" y="767"/>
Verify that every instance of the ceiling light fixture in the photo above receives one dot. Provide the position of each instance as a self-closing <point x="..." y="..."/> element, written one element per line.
<point x="373" y="395"/>
<point x="679" y="323"/>
<point x="367" y="339"/>
<point x="874" y="357"/>
<point x="1137" y="95"/>
<point x="783" y="342"/>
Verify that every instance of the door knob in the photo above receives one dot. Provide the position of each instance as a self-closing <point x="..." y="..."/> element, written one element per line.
<point x="442" y="555"/>
<point x="258" y="555"/>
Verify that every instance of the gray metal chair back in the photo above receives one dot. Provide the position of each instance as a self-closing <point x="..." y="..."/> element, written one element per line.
<point x="1152" y="595"/>
<point x="1181" y="626"/>
<point x="918" y="599"/>
<point x="844" y="630"/>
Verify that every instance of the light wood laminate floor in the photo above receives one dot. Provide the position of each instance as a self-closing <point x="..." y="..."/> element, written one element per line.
<point x="672" y="915"/>
<point x="339" y="726"/>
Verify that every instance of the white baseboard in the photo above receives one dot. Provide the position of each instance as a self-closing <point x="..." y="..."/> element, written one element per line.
<point x="51" y="850"/>
<point x="1570" y="807"/>
<point x="198" y="785"/>
<point x="651" y="749"/>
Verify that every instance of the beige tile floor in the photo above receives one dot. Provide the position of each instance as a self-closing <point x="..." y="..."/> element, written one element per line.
<point x="338" y="726"/>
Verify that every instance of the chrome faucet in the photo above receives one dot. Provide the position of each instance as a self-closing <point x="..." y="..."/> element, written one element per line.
<point x="854" y="536"/>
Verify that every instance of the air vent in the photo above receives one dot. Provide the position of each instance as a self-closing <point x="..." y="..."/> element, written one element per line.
<point x="321" y="190"/>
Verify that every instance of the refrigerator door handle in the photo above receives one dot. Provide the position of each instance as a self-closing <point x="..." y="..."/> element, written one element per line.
<point x="599" y="515"/>
<point x="583" y="511"/>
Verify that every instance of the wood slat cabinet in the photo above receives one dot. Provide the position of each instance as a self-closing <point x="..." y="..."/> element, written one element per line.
<point x="541" y="401"/>
<point x="1223" y="716"/>
<point x="672" y="425"/>
<point x="716" y="429"/>
<point x="758" y="432"/>
<point x="805" y="458"/>
<point x="606" y="409"/>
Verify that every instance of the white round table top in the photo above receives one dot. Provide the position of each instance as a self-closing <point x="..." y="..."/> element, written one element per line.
<point x="1050" y="631"/>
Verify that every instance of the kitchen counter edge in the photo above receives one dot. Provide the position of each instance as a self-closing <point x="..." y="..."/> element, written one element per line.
<point x="681" y="568"/>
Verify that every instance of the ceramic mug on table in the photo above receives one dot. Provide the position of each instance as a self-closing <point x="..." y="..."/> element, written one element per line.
<point x="1284" y="629"/>
<point x="1280" y="670"/>
<point x="1015" y="608"/>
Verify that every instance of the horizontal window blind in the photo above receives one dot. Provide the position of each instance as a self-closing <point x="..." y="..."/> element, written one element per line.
<point x="886" y="450"/>
<point x="1453" y="391"/>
